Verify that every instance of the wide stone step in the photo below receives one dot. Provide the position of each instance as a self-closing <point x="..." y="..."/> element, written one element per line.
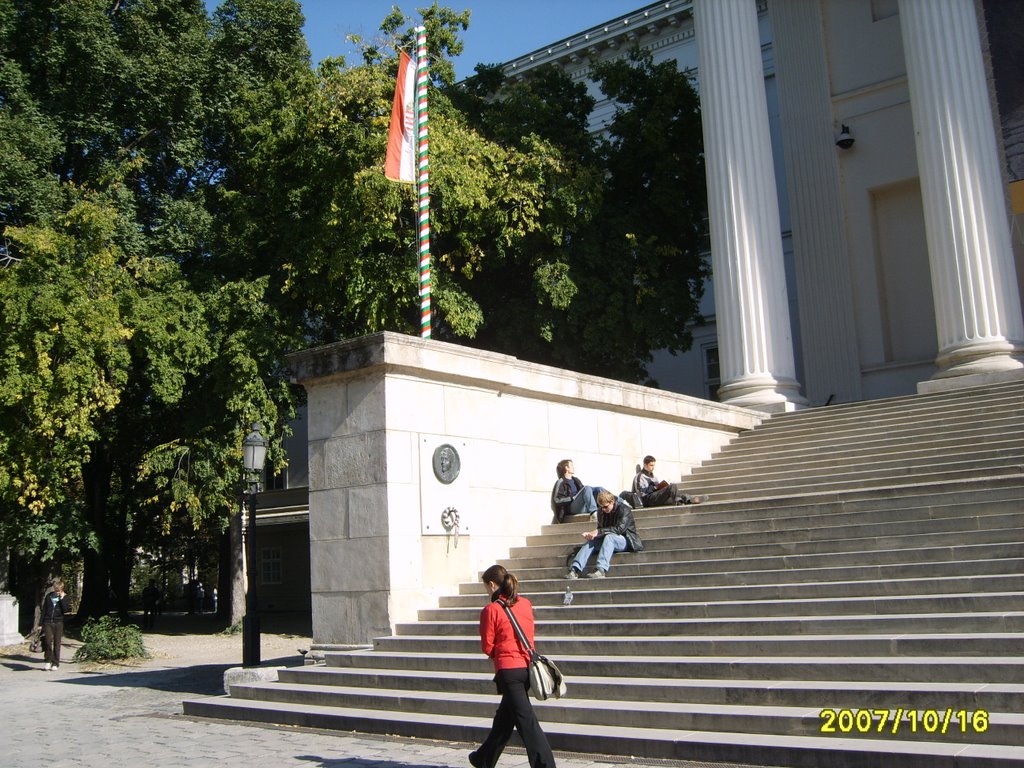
<point x="973" y="669"/>
<point x="956" y="516"/>
<point x="837" y="644"/>
<point x="931" y="407"/>
<point x="672" y="743"/>
<point x="999" y="728"/>
<point x="870" y="412"/>
<point x="976" y="429"/>
<point x="651" y="564"/>
<point x="724" y="490"/>
<point x="663" y="603"/>
<point x="654" y="590"/>
<point x="852" y="464"/>
<point x="938" y="423"/>
<point x="741" y="620"/>
<point x="894" y="499"/>
<point x="801" y="472"/>
<point x="742" y="545"/>
<point x="787" y="693"/>
<point x="846" y="455"/>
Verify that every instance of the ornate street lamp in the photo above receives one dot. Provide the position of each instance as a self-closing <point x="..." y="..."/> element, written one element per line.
<point x="254" y="450"/>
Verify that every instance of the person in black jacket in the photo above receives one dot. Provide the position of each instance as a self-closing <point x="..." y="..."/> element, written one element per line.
<point x="615" y="532"/>
<point x="570" y="496"/>
<point x="653" y="492"/>
<point x="56" y="604"/>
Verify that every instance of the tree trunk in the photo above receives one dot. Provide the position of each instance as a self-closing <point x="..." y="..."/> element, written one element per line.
<point x="96" y="586"/>
<point x="235" y="573"/>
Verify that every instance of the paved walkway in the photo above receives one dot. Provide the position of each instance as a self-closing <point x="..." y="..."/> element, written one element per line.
<point x="94" y="716"/>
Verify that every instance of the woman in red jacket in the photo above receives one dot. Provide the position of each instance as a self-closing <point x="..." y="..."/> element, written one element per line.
<point x="498" y="641"/>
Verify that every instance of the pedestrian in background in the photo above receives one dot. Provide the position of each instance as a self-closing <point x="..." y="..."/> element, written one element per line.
<point x="499" y="642"/>
<point x="56" y="605"/>
<point x="150" y="600"/>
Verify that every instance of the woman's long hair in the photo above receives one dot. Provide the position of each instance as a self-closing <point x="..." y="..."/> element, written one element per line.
<point x="508" y="584"/>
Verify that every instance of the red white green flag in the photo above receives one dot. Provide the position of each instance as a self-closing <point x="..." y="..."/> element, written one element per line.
<point x="400" y="162"/>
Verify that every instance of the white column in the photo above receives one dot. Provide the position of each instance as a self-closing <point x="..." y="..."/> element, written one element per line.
<point x="828" y="329"/>
<point x="755" y="342"/>
<point x="977" y="307"/>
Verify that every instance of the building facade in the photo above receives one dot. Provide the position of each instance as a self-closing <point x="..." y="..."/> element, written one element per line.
<point x="845" y="271"/>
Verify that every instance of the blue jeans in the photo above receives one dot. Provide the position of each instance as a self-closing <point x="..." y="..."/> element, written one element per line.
<point x="606" y="546"/>
<point x="584" y="502"/>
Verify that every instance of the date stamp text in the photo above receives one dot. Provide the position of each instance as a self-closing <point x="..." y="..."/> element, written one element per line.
<point x="896" y="721"/>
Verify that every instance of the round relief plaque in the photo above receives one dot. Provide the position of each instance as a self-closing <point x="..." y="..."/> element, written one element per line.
<point x="446" y="463"/>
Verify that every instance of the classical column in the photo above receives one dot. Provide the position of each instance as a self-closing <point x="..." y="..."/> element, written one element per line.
<point x="977" y="307"/>
<point x="755" y="342"/>
<point x="828" y="331"/>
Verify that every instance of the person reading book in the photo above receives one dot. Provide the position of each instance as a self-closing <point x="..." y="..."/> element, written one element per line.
<point x="659" y="493"/>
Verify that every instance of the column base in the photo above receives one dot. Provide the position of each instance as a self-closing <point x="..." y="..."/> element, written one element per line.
<point x="980" y="358"/>
<point x="763" y="393"/>
<point x="9" y="634"/>
<point x="969" y="380"/>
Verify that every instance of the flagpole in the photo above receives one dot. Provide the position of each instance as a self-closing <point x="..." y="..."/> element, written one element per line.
<point x="423" y="178"/>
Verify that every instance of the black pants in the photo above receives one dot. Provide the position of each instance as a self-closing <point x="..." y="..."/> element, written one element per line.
<point x="665" y="496"/>
<point x="515" y="711"/>
<point x="53" y="634"/>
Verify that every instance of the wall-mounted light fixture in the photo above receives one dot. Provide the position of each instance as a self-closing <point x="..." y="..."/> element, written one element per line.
<point x="845" y="139"/>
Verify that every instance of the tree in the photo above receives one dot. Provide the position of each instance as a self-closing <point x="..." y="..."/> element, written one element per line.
<point x="130" y="369"/>
<point x="614" y="270"/>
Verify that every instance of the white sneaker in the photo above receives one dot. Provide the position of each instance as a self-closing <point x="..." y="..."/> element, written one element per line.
<point x="49" y="667"/>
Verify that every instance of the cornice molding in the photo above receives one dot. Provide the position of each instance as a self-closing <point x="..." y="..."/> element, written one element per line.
<point x="651" y="26"/>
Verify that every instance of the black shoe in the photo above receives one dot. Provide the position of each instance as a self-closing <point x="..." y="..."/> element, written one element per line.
<point x="475" y="761"/>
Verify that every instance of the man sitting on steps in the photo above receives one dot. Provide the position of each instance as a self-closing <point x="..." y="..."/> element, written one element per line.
<point x="659" y="493"/>
<point x="615" y="532"/>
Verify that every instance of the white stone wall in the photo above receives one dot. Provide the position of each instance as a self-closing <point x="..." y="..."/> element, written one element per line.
<point x="379" y="406"/>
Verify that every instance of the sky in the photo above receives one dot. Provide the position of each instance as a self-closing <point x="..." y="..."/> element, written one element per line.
<point x="499" y="30"/>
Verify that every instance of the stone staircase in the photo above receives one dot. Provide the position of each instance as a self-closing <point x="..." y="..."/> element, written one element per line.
<point x="863" y="560"/>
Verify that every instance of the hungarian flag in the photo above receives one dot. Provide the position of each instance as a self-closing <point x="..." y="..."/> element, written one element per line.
<point x="400" y="164"/>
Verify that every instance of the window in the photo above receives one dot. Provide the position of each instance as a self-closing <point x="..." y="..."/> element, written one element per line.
<point x="712" y="373"/>
<point x="270" y="565"/>
<point x="278" y="481"/>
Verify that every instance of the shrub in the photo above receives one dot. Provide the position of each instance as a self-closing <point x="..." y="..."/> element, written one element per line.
<point x="234" y="629"/>
<point x="107" y="638"/>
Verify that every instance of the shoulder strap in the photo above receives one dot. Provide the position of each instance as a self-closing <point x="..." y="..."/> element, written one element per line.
<point x="516" y="627"/>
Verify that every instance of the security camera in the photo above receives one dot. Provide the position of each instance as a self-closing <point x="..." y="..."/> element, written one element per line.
<point x="845" y="140"/>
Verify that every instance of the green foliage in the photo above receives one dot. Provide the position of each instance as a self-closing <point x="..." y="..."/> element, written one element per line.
<point x="130" y="368"/>
<point x="611" y="268"/>
<point x="234" y="629"/>
<point x="107" y="639"/>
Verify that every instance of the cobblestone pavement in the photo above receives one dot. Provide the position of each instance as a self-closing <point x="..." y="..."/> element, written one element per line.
<point x="99" y="716"/>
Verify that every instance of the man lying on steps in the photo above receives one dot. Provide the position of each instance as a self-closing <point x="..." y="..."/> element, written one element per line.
<point x="615" y="532"/>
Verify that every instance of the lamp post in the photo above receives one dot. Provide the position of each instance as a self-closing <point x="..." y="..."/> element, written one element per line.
<point x="254" y="449"/>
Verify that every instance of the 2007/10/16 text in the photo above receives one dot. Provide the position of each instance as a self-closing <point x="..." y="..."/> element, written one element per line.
<point x="891" y="721"/>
